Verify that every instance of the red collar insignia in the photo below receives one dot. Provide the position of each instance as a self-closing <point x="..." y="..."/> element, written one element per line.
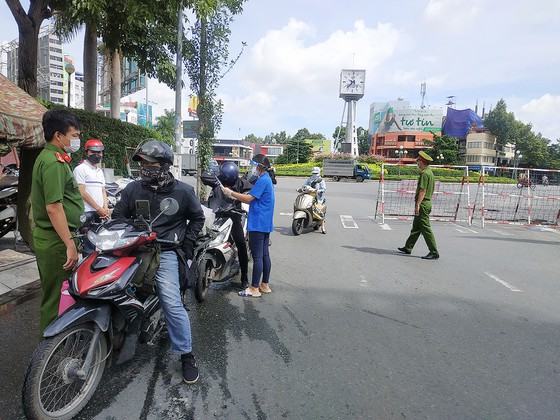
<point x="63" y="157"/>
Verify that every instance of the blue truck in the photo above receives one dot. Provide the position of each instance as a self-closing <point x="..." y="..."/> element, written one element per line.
<point x="338" y="169"/>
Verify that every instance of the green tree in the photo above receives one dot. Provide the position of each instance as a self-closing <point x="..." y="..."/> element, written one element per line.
<point x="206" y="57"/>
<point x="445" y="146"/>
<point x="296" y="151"/>
<point x="29" y="24"/>
<point x="251" y="138"/>
<point x="364" y="141"/>
<point x="166" y="126"/>
<point x="277" y="138"/>
<point x="502" y="124"/>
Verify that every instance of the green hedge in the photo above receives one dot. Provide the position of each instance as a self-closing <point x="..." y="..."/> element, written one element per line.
<point x="115" y="135"/>
<point x="304" y="169"/>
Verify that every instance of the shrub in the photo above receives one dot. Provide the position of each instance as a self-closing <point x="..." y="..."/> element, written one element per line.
<point x="115" y="135"/>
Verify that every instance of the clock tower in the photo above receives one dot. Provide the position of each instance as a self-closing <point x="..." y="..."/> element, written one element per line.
<point x="351" y="89"/>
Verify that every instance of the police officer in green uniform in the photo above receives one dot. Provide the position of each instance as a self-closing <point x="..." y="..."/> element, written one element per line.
<point x="423" y="207"/>
<point x="56" y="205"/>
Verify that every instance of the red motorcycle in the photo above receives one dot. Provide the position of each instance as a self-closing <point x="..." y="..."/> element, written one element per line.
<point x="110" y="315"/>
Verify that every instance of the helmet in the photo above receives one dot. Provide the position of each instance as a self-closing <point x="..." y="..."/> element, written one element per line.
<point x="94" y="145"/>
<point x="154" y="151"/>
<point x="261" y="160"/>
<point x="229" y="172"/>
<point x="316" y="171"/>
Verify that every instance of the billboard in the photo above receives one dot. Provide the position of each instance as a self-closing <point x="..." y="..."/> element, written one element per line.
<point x="388" y="118"/>
<point x="141" y="110"/>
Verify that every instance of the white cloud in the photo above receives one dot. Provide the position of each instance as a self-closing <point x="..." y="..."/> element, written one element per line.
<point x="543" y="114"/>
<point x="451" y="14"/>
<point x="290" y="74"/>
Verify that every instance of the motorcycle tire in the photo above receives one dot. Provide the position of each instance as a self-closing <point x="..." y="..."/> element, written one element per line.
<point x="33" y="397"/>
<point x="297" y="226"/>
<point x="203" y="280"/>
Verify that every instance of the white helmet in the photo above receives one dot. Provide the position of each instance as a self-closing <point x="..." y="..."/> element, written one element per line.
<point x="316" y="171"/>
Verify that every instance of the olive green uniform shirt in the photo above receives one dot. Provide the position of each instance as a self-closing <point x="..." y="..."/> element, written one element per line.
<point x="53" y="182"/>
<point x="425" y="182"/>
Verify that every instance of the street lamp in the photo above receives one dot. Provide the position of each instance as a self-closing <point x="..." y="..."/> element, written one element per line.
<point x="516" y="158"/>
<point x="440" y="158"/>
<point x="400" y="153"/>
<point x="69" y="67"/>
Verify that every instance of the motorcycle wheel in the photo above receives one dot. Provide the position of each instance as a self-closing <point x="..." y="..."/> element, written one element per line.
<point x="297" y="226"/>
<point x="203" y="281"/>
<point x="50" y="391"/>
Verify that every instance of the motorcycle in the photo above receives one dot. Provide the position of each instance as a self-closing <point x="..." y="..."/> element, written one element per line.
<point x="308" y="212"/>
<point x="114" y="190"/>
<point x="110" y="314"/>
<point x="215" y="253"/>
<point x="8" y="201"/>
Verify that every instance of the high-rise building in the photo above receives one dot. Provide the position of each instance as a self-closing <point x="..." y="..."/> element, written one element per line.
<point x="132" y="80"/>
<point x="50" y="65"/>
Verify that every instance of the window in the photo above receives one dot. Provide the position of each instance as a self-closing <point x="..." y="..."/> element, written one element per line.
<point x="56" y="50"/>
<point x="57" y="91"/>
<point x="57" y="67"/>
<point x="55" y="58"/>
<point x="57" y="84"/>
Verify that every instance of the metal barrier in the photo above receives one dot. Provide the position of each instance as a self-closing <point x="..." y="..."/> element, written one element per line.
<point x="495" y="194"/>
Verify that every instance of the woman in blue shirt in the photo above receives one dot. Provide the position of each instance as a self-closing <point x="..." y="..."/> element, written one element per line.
<point x="259" y="225"/>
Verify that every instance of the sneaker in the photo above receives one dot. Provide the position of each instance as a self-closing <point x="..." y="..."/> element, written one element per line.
<point x="431" y="256"/>
<point x="405" y="251"/>
<point x="190" y="369"/>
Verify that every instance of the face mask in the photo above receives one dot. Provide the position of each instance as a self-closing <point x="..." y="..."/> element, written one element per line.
<point x="74" y="145"/>
<point x="94" y="159"/>
<point x="254" y="170"/>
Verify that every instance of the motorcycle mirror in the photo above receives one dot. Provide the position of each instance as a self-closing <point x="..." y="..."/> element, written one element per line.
<point x="169" y="206"/>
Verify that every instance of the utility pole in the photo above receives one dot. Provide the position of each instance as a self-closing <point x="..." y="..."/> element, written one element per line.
<point x="178" y="80"/>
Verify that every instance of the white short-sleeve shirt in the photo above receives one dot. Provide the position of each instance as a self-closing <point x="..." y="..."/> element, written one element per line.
<point x="94" y="180"/>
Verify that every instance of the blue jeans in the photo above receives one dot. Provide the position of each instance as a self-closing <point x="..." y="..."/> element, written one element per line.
<point x="167" y="283"/>
<point x="259" y="243"/>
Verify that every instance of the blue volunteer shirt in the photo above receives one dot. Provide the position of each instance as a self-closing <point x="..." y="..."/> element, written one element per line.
<point x="261" y="209"/>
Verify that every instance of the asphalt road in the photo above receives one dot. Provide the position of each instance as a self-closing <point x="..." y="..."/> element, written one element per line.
<point x="352" y="330"/>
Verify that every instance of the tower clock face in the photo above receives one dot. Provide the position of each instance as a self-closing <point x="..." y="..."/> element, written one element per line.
<point x="352" y="82"/>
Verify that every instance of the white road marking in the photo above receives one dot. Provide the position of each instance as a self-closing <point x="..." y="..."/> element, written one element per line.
<point x="348" y="222"/>
<point x="286" y="214"/>
<point x="363" y="281"/>
<point x="547" y="229"/>
<point x="503" y="282"/>
<point x="463" y="229"/>
<point x="385" y="226"/>
<point x="499" y="232"/>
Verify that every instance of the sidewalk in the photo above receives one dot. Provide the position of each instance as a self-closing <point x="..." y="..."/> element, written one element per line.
<point x="18" y="271"/>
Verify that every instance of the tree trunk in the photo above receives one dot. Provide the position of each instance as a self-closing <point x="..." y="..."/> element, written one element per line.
<point x="115" y="84"/>
<point x="90" y="67"/>
<point x="202" y="109"/>
<point x="27" y="58"/>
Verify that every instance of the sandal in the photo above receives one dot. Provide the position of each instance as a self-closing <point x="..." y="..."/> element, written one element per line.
<point x="249" y="293"/>
<point x="265" y="290"/>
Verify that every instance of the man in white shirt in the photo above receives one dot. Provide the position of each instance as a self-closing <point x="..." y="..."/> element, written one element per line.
<point x="91" y="183"/>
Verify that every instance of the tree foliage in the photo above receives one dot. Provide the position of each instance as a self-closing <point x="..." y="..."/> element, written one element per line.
<point x="364" y="141"/>
<point x="166" y="126"/>
<point x="277" y="138"/>
<point x="251" y="138"/>
<point x="445" y="146"/>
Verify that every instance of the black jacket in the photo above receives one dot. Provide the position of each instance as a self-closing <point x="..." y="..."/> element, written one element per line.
<point x="183" y="226"/>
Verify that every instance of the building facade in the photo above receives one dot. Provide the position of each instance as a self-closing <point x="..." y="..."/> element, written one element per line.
<point x="50" y="65"/>
<point x="481" y="149"/>
<point x="398" y="132"/>
<point x="237" y="151"/>
<point x="132" y="80"/>
<point x="271" y="151"/>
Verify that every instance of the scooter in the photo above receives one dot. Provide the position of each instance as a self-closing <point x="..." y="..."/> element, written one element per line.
<point x="308" y="213"/>
<point x="114" y="190"/>
<point x="110" y="314"/>
<point x="8" y="199"/>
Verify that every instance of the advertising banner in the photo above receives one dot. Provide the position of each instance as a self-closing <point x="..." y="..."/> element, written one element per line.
<point x="390" y="119"/>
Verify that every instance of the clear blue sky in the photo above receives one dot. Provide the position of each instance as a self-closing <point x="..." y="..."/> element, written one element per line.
<point x="473" y="49"/>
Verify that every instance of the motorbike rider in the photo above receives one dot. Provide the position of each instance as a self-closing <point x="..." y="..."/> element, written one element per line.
<point x="91" y="183"/>
<point x="157" y="183"/>
<point x="315" y="181"/>
<point x="229" y="177"/>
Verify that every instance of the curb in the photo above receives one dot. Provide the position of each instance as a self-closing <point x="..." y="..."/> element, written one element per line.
<point x="19" y="295"/>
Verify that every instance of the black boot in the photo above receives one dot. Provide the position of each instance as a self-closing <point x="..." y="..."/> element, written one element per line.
<point x="190" y="369"/>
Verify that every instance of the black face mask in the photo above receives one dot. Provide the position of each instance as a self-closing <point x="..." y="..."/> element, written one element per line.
<point x="94" y="159"/>
<point x="155" y="176"/>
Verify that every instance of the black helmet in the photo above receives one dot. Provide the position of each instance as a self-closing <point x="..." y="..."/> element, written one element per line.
<point x="154" y="151"/>
<point x="261" y="160"/>
<point x="229" y="172"/>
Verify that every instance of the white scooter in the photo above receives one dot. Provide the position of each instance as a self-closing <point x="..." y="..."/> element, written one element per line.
<point x="308" y="213"/>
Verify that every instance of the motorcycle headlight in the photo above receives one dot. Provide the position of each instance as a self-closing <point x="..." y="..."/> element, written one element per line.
<point x="106" y="240"/>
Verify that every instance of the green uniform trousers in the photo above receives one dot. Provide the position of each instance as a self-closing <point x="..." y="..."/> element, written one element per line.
<point x="50" y="252"/>
<point x="421" y="226"/>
